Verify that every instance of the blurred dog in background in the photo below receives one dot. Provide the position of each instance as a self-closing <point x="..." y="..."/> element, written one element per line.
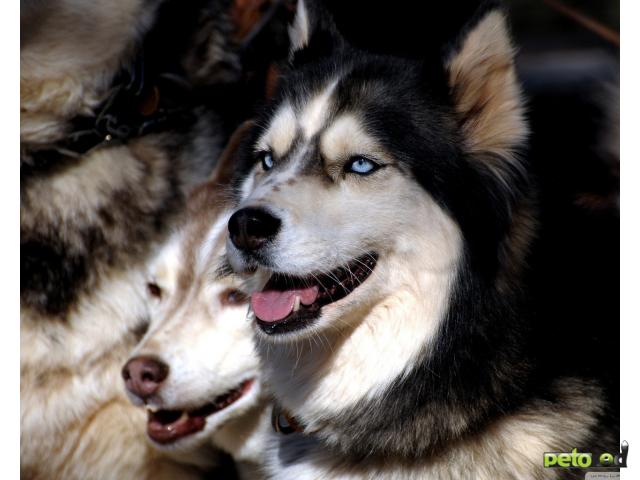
<point x="125" y="106"/>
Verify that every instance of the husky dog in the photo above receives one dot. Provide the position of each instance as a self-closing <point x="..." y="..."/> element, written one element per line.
<point x="118" y="123"/>
<point x="196" y="369"/>
<point x="387" y="206"/>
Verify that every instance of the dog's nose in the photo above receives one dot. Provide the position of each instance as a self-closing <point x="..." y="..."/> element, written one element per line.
<point x="144" y="375"/>
<point x="251" y="228"/>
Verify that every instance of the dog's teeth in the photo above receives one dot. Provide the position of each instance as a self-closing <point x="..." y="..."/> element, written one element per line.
<point x="151" y="408"/>
<point x="296" y="304"/>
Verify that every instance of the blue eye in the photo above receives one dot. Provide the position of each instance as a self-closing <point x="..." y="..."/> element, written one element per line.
<point x="267" y="161"/>
<point x="361" y="166"/>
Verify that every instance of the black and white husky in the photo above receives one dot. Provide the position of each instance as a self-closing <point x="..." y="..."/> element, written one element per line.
<point x="390" y="212"/>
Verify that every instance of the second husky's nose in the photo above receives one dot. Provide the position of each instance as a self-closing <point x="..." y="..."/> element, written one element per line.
<point x="251" y="228"/>
<point x="144" y="375"/>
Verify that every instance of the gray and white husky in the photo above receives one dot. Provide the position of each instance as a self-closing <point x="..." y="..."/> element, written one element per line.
<point x="196" y="369"/>
<point x="389" y="212"/>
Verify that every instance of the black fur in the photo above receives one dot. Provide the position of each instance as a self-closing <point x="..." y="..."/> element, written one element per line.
<point x="50" y="275"/>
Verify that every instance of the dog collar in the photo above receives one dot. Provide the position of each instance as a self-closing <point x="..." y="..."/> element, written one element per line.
<point x="282" y="422"/>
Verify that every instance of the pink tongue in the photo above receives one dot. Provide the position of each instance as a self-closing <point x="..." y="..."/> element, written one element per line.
<point x="274" y="305"/>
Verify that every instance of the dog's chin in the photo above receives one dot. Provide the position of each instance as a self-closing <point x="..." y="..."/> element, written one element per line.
<point x="289" y="307"/>
<point x="175" y="428"/>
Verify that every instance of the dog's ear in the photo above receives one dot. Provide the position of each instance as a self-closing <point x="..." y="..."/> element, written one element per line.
<point x="486" y="94"/>
<point x="312" y="33"/>
<point x="228" y="161"/>
<point x="216" y="187"/>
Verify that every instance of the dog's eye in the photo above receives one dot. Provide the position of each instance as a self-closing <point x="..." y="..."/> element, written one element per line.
<point x="361" y="166"/>
<point x="267" y="160"/>
<point x="154" y="290"/>
<point x="233" y="297"/>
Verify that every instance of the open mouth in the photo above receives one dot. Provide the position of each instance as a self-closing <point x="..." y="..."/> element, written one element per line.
<point x="290" y="303"/>
<point x="167" y="426"/>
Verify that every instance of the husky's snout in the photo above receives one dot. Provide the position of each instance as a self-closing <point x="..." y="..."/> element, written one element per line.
<point x="143" y="376"/>
<point x="251" y="228"/>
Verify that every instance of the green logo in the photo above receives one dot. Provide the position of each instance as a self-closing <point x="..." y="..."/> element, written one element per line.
<point x="575" y="459"/>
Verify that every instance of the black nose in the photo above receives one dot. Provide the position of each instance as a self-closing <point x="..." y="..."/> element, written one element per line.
<point x="251" y="228"/>
<point x="144" y="375"/>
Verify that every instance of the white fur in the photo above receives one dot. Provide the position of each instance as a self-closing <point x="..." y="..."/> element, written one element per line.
<point x="86" y="410"/>
<point x="165" y="266"/>
<point x="281" y="133"/>
<point x="210" y="246"/>
<point x="346" y="137"/>
<point x="299" y="31"/>
<point x="316" y="112"/>
<point x="287" y="122"/>
<point x="209" y="349"/>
